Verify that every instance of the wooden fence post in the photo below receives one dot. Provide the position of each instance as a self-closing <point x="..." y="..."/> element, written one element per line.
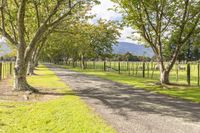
<point x="136" y="70"/>
<point x="10" y="68"/>
<point x="198" y="67"/>
<point x="128" y="68"/>
<point x="188" y="73"/>
<point x="0" y="70"/>
<point x="133" y="67"/>
<point x="177" y="68"/>
<point x="104" y="65"/>
<point x="153" y="69"/>
<point x="148" y="69"/>
<point x="143" y="70"/>
<point x="119" y="67"/>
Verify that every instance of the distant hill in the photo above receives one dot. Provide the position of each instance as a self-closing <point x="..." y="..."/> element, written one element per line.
<point x="135" y="49"/>
<point x="4" y="49"/>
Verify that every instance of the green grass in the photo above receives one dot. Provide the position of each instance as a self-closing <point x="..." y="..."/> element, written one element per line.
<point x="68" y="114"/>
<point x="182" y="92"/>
<point x="133" y="66"/>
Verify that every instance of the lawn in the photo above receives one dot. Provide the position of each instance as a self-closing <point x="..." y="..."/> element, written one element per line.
<point x="135" y="69"/>
<point x="67" y="114"/>
<point x="188" y="93"/>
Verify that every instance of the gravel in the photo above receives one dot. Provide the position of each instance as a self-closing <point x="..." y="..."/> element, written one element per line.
<point x="130" y="110"/>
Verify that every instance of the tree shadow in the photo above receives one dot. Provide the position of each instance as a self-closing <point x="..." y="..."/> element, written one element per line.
<point x="55" y="93"/>
<point x="142" y="101"/>
<point x="118" y="97"/>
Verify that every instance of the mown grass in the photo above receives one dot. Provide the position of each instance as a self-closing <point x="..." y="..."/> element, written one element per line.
<point x="183" y="92"/>
<point x="67" y="114"/>
<point x="135" y="69"/>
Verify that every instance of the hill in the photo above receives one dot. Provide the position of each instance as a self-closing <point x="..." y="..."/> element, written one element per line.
<point x="135" y="49"/>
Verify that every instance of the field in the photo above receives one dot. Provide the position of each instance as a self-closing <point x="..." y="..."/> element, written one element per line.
<point x="149" y="71"/>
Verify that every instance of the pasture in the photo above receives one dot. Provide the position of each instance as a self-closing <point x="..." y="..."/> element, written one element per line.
<point x="149" y="70"/>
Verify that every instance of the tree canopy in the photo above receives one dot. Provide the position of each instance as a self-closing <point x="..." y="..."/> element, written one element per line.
<point x="82" y="40"/>
<point x="163" y="23"/>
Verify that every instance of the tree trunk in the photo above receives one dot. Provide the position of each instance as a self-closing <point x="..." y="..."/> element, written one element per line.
<point x="20" y="82"/>
<point x="31" y="67"/>
<point x="164" y="77"/>
<point x="36" y="63"/>
<point x="33" y="62"/>
<point x="82" y="62"/>
<point x="20" y="72"/>
<point x="164" y="72"/>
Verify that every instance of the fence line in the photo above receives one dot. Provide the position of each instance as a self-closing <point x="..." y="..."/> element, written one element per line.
<point x="6" y="69"/>
<point x="184" y="73"/>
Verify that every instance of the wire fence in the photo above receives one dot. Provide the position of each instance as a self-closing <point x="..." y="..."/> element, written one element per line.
<point x="182" y="72"/>
<point x="6" y="69"/>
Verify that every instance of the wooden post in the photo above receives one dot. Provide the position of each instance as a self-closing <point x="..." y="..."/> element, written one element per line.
<point x="10" y="68"/>
<point x="198" y="67"/>
<point x="143" y="70"/>
<point x="148" y="69"/>
<point x="133" y="67"/>
<point x="114" y="65"/>
<point x="177" y="72"/>
<point x="104" y="65"/>
<point x="0" y="70"/>
<point x="136" y="70"/>
<point x="128" y="68"/>
<point x="153" y="69"/>
<point x="188" y="73"/>
<point x="119" y="67"/>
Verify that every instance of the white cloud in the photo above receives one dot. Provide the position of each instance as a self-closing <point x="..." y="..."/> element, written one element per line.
<point x="126" y="33"/>
<point x="102" y="12"/>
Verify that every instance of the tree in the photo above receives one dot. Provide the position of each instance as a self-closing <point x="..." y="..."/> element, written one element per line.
<point x="24" y="23"/>
<point x="161" y="23"/>
<point x="82" y="41"/>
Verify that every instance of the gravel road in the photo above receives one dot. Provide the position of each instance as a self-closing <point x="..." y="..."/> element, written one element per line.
<point x="130" y="110"/>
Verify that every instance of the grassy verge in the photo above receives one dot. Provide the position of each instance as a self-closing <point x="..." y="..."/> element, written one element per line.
<point x="67" y="114"/>
<point x="182" y="92"/>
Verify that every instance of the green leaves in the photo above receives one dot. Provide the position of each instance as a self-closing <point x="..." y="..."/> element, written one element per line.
<point x="161" y="21"/>
<point x="82" y="38"/>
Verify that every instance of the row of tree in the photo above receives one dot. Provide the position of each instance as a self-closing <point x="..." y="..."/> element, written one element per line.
<point x="81" y="41"/>
<point x="58" y="30"/>
<point x="26" y="25"/>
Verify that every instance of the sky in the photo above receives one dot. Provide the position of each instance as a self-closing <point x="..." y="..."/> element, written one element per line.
<point x="102" y="11"/>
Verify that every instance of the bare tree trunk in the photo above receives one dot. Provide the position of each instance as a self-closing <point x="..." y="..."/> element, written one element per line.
<point x="36" y="61"/>
<point x="31" y="67"/>
<point x="164" y="77"/>
<point x="20" y="82"/>
<point x="82" y="62"/>
<point x="164" y="71"/>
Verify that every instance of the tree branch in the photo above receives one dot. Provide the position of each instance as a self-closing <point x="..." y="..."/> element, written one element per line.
<point x="20" y="21"/>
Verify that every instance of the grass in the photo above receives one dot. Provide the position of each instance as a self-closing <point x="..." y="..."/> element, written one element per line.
<point x="179" y="76"/>
<point x="67" y="114"/>
<point x="182" y="92"/>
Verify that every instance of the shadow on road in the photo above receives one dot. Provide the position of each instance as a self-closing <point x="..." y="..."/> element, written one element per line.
<point x="118" y="96"/>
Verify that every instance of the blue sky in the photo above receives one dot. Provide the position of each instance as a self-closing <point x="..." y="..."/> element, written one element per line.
<point x="102" y="11"/>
